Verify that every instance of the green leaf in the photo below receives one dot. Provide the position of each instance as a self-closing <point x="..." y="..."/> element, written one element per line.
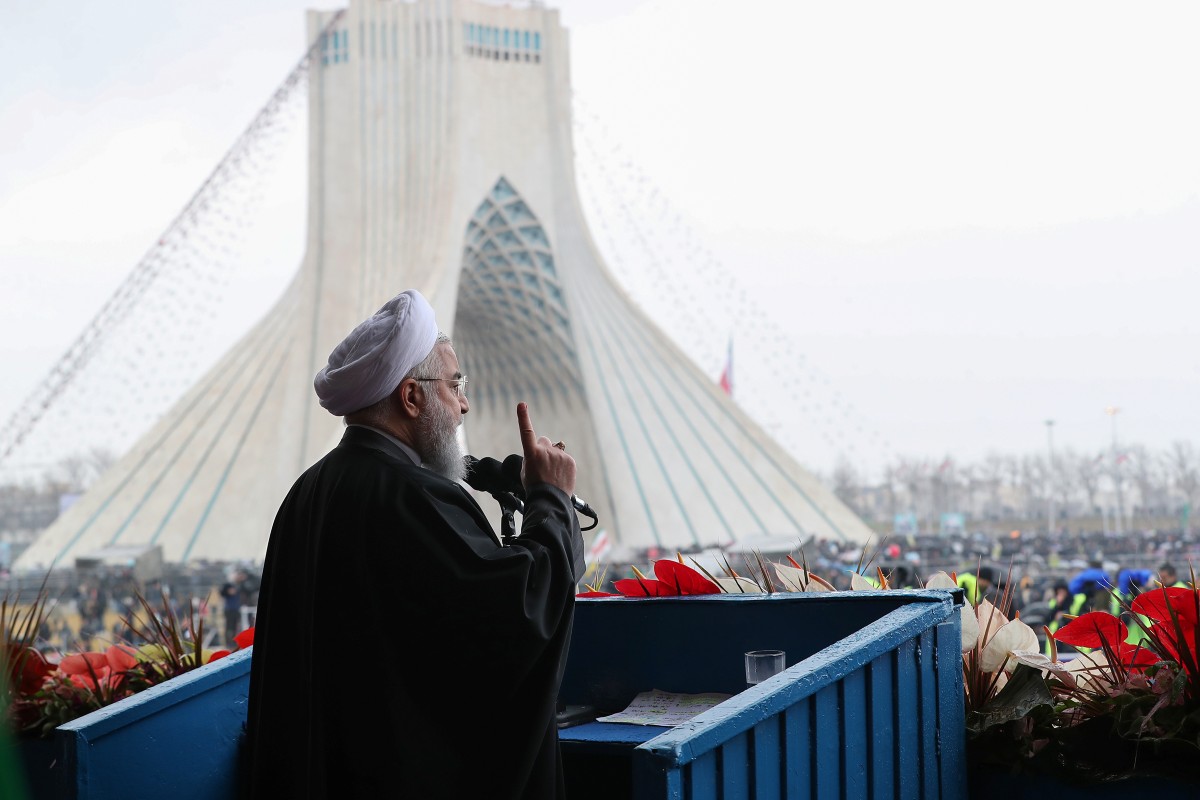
<point x="1025" y="691"/>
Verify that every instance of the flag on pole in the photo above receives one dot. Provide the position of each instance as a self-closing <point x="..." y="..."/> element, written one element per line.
<point x="727" y="373"/>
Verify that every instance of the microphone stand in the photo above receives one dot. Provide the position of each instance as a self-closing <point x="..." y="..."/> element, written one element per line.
<point x="509" y="505"/>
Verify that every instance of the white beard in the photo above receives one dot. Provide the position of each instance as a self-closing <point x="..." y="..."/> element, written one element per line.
<point x="438" y="444"/>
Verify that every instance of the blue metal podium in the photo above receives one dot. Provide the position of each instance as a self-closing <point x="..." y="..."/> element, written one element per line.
<point x="870" y="706"/>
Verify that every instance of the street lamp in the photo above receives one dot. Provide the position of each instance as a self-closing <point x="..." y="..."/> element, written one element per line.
<point x="1050" y="477"/>
<point x="1112" y="412"/>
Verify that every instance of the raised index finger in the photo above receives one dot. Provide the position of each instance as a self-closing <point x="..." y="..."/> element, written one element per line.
<point x="528" y="437"/>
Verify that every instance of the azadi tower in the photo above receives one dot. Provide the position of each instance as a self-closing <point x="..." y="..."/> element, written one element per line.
<point x="441" y="159"/>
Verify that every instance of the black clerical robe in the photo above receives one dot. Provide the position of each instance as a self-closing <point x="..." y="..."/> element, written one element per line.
<point x="400" y="650"/>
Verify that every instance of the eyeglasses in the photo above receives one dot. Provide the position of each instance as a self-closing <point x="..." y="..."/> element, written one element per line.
<point x="459" y="384"/>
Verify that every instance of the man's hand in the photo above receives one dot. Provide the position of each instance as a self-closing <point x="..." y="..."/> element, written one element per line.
<point x="544" y="463"/>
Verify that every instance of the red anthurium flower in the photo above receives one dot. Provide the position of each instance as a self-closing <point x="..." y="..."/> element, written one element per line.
<point x="683" y="579"/>
<point x="597" y="594"/>
<point x="218" y="654"/>
<point x="1180" y="599"/>
<point x="644" y="587"/>
<point x="1091" y="629"/>
<point x="79" y="663"/>
<point x="1136" y="658"/>
<point x="245" y="638"/>
<point x="120" y="658"/>
<point x="1177" y="646"/>
<point x="26" y="669"/>
<point x="86" y="669"/>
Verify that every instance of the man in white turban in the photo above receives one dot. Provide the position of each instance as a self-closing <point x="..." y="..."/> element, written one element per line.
<point x="400" y="649"/>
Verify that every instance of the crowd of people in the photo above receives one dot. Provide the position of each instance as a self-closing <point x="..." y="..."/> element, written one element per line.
<point x="91" y="610"/>
<point x="1043" y="577"/>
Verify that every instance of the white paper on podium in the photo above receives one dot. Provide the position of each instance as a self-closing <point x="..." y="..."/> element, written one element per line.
<point x="665" y="708"/>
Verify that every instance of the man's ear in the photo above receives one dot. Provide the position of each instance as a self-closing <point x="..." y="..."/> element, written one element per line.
<point x="410" y="398"/>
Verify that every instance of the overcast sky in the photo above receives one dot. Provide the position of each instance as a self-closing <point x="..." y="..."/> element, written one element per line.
<point x="968" y="218"/>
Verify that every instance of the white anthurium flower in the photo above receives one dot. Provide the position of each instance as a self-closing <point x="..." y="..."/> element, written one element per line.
<point x="739" y="586"/>
<point x="990" y="621"/>
<point x="860" y="584"/>
<point x="1039" y="660"/>
<point x="818" y="584"/>
<point x="792" y="579"/>
<point x="970" y="627"/>
<point x="940" y="580"/>
<point x="1014" y="635"/>
<point x="797" y="580"/>
<point x="1091" y="668"/>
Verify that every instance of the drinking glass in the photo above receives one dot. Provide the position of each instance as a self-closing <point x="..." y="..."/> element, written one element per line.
<point x="762" y="664"/>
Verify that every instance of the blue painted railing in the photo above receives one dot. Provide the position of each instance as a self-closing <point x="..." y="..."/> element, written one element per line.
<point x="177" y="739"/>
<point x="873" y="709"/>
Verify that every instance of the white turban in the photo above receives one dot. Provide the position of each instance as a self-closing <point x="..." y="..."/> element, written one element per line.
<point x="370" y="363"/>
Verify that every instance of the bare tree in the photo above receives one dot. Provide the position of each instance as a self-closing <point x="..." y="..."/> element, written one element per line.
<point x="994" y="474"/>
<point x="1035" y="480"/>
<point x="1088" y="471"/>
<point x="1063" y="480"/>
<point x="1002" y="486"/>
<point x="1149" y="475"/>
<point x="890" y="479"/>
<point x="943" y="485"/>
<point x="77" y="472"/>
<point x="971" y="484"/>
<point x="847" y="485"/>
<point x="913" y="476"/>
<point x="1183" y="463"/>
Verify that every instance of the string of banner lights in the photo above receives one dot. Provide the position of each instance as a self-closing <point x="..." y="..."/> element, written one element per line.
<point x="674" y="277"/>
<point x="152" y="339"/>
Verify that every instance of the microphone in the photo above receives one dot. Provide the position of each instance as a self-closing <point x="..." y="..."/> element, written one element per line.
<point x="491" y="476"/>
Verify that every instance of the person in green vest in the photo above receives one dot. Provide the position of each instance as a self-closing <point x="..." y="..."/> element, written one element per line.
<point x="1131" y="583"/>
<point x="900" y="577"/>
<point x="1168" y="577"/>
<point x="1091" y="595"/>
<point x="1058" y="604"/>
<point x="976" y="586"/>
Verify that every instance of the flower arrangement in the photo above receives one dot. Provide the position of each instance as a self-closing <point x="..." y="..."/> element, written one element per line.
<point x="673" y="578"/>
<point x="1128" y="702"/>
<point x="42" y="692"/>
